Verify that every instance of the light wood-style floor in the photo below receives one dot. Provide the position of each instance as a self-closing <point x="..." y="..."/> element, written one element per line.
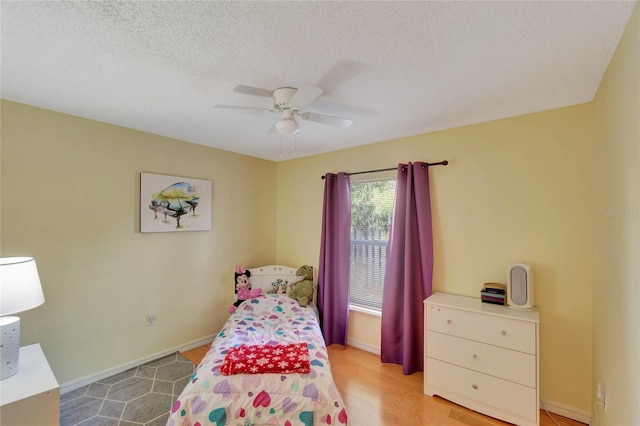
<point x="379" y="394"/>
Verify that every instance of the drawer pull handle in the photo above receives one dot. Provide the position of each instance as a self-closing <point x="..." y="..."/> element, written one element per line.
<point x="474" y="386"/>
<point x="504" y="333"/>
<point x="448" y="321"/>
<point x="475" y="356"/>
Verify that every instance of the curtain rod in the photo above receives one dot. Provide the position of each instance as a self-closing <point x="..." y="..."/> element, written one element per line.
<point x="441" y="163"/>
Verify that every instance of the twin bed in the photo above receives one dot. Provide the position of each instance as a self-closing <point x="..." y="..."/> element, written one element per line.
<point x="272" y="333"/>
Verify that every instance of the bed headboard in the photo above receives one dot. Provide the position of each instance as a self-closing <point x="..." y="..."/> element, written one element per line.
<point x="263" y="276"/>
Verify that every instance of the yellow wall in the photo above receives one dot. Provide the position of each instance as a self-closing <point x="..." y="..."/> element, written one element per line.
<point x="519" y="189"/>
<point x="616" y="296"/>
<point x="70" y="199"/>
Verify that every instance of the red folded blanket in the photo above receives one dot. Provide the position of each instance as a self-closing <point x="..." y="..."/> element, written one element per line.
<point x="258" y="359"/>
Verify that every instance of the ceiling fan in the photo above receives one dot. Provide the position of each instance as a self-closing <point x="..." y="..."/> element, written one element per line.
<point x="290" y="101"/>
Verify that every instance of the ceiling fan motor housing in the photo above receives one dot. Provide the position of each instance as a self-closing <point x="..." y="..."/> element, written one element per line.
<point x="282" y="97"/>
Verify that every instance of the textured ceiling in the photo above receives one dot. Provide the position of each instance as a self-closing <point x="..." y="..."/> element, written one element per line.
<point x="395" y="68"/>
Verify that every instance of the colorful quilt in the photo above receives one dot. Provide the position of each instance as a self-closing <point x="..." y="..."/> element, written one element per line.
<point x="278" y="399"/>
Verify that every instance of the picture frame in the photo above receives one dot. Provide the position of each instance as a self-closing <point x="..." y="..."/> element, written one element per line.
<point x="174" y="204"/>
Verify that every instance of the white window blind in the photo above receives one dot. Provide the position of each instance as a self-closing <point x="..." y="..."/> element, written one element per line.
<point x="372" y="203"/>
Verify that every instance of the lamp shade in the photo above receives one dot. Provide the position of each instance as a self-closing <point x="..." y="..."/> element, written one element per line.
<point x="20" y="288"/>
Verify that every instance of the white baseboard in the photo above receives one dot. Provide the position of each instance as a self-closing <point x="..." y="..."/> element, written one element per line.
<point x="566" y="411"/>
<point x="364" y="346"/>
<point x="77" y="384"/>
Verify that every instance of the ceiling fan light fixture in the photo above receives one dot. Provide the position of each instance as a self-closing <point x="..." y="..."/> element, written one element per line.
<point x="287" y="126"/>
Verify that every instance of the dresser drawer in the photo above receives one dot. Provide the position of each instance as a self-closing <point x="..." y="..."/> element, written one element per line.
<point x="506" y="364"/>
<point x="494" y="330"/>
<point x="502" y="394"/>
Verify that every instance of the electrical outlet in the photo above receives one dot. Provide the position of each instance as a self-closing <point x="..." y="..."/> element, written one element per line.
<point x="151" y="319"/>
<point x="601" y="394"/>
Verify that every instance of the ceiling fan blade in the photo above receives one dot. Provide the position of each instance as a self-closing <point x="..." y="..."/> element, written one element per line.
<point x="244" y="107"/>
<point x="326" y="119"/>
<point x="305" y="94"/>
<point x="255" y="91"/>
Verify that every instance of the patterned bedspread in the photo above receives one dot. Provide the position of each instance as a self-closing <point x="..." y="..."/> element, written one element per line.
<point x="211" y="398"/>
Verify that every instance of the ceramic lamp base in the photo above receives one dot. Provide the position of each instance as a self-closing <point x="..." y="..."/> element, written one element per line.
<point x="9" y="346"/>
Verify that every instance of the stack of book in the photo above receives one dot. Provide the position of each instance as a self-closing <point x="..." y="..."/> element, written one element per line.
<point x="494" y="293"/>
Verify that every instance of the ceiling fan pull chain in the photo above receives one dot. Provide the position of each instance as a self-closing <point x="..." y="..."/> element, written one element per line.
<point x="280" y="147"/>
<point x="295" y="145"/>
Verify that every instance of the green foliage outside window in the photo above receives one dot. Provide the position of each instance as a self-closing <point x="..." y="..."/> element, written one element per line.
<point x="372" y="208"/>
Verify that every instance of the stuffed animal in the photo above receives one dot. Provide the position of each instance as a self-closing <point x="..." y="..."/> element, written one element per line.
<point x="279" y="286"/>
<point x="303" y="290"/>
<point x="243" y="287"/>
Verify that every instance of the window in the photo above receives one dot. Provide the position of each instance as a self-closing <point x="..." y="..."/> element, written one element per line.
<point x="372" y="203"/>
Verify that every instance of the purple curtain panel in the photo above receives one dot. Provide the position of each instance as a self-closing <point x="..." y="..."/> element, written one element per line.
<point x="409" y="270"/>
<point x="333" y="272"/>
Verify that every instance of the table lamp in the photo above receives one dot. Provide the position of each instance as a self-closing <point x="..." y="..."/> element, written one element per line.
<point x="20" y="290"/>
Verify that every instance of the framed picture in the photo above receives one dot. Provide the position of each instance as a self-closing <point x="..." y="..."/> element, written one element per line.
<point x="174" y="204"/>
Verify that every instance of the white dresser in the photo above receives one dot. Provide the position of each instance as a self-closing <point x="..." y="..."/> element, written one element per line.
<point x="483" y="357"/>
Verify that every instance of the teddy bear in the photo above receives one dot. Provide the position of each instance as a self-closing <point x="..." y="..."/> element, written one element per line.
<point x="243" y="287"/>
<point x="303" y="290"/>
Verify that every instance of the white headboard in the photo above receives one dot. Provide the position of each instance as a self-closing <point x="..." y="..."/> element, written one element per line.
<point x="263" y="276"/>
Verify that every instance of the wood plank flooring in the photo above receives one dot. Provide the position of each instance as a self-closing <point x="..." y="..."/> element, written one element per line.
<point x="196" y="355"/>
<point x="379" y="394"/>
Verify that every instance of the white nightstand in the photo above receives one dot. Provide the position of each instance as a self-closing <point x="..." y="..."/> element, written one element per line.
<point x="32" y="396"/>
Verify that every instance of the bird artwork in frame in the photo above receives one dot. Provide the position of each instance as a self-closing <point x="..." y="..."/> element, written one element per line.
<point x="174" y="204"/>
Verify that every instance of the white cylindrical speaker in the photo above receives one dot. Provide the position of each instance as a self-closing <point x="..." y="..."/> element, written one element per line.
<point x="519" y="286"/>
